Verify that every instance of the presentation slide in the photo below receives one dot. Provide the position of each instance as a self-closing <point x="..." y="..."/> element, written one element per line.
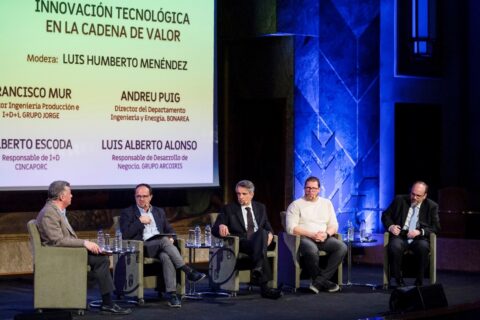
<point x="107" y="94"/>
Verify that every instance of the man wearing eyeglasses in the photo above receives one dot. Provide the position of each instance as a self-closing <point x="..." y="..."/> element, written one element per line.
<point x="149" y="224"/>
<point x="313" y="218"/>
<point x="411" y="219"/>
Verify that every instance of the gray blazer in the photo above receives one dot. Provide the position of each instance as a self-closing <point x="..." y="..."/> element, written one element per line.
<point x="54" y="229"/>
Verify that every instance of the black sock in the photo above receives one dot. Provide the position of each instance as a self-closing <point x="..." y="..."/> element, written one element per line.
<point x="107" y="299"/>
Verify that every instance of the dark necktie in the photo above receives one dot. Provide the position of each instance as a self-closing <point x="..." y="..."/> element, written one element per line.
<point x="250" y="225"/>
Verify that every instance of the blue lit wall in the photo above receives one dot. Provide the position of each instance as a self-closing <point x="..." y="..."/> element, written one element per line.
<point x="336" y="102"/>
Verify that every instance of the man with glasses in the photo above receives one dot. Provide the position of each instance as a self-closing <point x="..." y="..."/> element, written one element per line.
<point x="145" y="222"/>
<point x="410" y="219"/>
<point x="313" y="218"/>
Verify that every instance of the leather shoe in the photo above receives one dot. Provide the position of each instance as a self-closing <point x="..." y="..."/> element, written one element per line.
<point x="115" y="309"/>
<point x="256" y="277"/>
<point x="195" y="276"/>
<point x="400" y="283"/>
<point x="271" y="293"/>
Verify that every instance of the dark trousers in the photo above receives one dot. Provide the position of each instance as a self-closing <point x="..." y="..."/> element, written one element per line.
<point x="256" y="248"/>
<point x="397" y="246"/>
<point x="100" y="270"/>
<point x="336" y="251"/>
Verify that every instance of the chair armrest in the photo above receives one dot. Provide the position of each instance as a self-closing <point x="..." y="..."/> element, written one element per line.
<point x="386" y="238"/>
<point x="233" y="243"/>
<point x="275" y="240"/>
<point x="62" y="256"/>
<point x="49" y="262"/>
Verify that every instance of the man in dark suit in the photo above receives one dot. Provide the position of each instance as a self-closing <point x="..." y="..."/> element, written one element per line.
<point x="55" y="230"/>
<point x="248" y="220"/>
<point x="411" y="219"/>
<point x="149" y="224"/>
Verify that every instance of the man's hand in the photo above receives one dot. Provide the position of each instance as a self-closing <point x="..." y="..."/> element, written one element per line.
<point x="319" y="236"/>
<point x="395" y="229"/>
<point x="145" y="219"/>
<point x="270" y="238"/>
<point x="92" y="247"/>
<point x="413" y="233"/>
<point x="223" y="230"/>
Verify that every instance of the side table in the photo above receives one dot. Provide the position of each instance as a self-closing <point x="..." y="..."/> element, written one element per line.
<point x="125" y="275"/>
<point x="191" y="292"/>
<point x="356" y="243"/>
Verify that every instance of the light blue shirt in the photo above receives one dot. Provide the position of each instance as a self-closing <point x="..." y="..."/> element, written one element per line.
<point x="150" y="229"/>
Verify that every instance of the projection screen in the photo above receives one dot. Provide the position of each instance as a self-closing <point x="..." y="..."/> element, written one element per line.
<point x="107" y="94"/>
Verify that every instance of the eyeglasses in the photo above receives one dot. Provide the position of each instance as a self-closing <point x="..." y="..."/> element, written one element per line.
<point x="311" y="188"/>
<point x="141" y="196"/>
<point x="417" y="195"/>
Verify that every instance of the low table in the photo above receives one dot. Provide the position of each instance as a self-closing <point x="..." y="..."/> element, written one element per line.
<point x="192" y="293"/>
<point x="373" y="240"/>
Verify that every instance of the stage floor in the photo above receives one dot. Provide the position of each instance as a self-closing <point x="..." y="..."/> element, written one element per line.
<point x="16" y="297"/>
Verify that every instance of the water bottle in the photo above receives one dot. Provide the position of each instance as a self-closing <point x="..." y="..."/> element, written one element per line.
<point x="198" y="236"/>
<point x="118" y="241"/>
<point x="106" y="242"/>
<point x="101" y="239"/>
<point x="362" y="231"/>
<point x="350" y="232"/>
<point x="208" y="236"/>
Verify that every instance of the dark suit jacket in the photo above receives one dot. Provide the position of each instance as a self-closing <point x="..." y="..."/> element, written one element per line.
<point x="132" y="228"/>
<point x="231" y="216"/>
<point x="397" y="213"/>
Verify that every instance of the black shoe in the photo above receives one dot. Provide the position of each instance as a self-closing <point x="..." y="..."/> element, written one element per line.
<point x="315" y="287"/>
<point x="418" y="283"/>
<point x="174" y="301"/>
<point x="256" y="277"/>
<point x="271" y="293"/>
<point x="115" y="309"/>
<point x="400" y="283"/>
<point x="195" y="276"/>
<point x="330" y="286"/>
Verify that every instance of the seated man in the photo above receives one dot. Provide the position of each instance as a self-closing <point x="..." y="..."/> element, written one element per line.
<point x="248" y="220"/>
<point x="410" y="219"/>
<point x="55" y="231"/>
<point x="313" y="218"/>
<point x="148" y="223"/>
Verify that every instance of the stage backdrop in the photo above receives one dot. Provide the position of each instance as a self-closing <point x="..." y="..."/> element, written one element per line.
<point x="107" y="94"/>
